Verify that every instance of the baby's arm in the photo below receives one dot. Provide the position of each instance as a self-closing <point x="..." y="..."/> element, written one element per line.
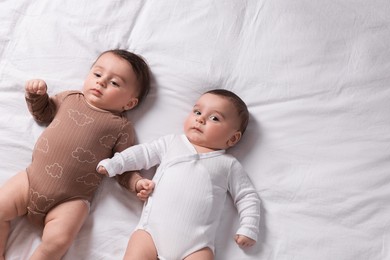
<point x="247" y="202"/>
<point x="42" y="107"/>
<point x="134" y="158"/>
<point x="143" y="187"/>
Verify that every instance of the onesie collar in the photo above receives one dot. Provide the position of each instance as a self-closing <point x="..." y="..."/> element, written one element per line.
<point x="200" y="155"/>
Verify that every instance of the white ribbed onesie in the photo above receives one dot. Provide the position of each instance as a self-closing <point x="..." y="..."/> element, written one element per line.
<point x="183" y="212"/>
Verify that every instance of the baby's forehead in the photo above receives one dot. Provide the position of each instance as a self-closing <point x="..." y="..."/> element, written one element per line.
<point x="207" y="97"/>
<point x="217" y="103"/>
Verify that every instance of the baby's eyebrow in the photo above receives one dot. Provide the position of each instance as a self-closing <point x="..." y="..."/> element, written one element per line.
<point x="97" y="67"/>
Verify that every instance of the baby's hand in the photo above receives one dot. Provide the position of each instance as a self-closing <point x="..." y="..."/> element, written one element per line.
<point x="102" y="170"/>
<point x="36" y="86"/>
<point x="144" y="188"/>
<point x="244" y="241"/>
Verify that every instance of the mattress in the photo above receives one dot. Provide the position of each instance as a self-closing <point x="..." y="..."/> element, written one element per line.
<point x="314" y="74"/>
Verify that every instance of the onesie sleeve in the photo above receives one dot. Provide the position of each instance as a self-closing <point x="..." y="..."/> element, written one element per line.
<point x="126" y="138"/>
<point x="41" y="107"/>
<point x="246" y="201"/>
<point x="137" y="157"/>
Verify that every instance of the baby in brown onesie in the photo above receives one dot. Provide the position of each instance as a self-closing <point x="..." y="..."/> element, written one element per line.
<point x="83" y="128"/>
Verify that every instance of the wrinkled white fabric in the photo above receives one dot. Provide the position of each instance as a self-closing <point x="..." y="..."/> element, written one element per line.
<point x="314" y="74"/>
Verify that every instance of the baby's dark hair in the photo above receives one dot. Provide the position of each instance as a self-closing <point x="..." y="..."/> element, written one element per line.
<point x="238" y="103"/>
<point x="140" y="68"/>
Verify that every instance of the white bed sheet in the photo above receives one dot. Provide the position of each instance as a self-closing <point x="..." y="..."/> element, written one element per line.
<point x="315" y="75"/>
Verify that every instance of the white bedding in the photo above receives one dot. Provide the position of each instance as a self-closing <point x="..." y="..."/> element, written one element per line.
<point x="316" y="78"/>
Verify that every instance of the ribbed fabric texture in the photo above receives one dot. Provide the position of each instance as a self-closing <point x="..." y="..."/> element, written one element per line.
<point x="183" y="213"/>
<point x="66" y="154"/>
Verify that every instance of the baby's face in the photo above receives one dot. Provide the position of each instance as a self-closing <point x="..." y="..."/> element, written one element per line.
<point x="213" y="124"/>
<point x="111" y="84"/>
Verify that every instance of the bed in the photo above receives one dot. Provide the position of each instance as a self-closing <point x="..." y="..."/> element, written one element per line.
<point x="315" y="76"/>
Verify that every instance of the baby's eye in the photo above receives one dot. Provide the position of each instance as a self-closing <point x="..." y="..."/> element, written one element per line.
<point x="114" y="83"/>
<point x="197" y="112"/>
<point x="97" y="75"/>
<point x="214" y="118"/>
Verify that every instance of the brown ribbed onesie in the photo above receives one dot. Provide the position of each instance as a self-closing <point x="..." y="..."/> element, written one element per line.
<point x="66" y="154"/>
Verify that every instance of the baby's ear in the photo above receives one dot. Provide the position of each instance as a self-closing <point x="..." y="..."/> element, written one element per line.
<point x="234" y="139"/>
<point x="131" y="104"/>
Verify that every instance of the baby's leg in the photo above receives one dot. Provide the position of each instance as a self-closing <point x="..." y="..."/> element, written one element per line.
<point x="62" y="225"/>
<point x="203" y="254"/>
<point x="13" y="203"/>
<point x="141" y="246"/>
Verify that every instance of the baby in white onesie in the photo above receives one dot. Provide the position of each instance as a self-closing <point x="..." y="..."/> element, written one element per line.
<point x="180" y="218"/>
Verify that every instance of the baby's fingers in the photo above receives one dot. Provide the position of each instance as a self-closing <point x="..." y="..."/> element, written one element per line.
<point x="244" y="241"/>
<point x="143" y="195"/>
<point x="36" y="86"/>
<point x="149" y="186"/>
<point x="102" y="170"/>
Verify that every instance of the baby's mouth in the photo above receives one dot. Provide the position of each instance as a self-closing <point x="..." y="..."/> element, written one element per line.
<point x="96" y="92"/>
<point x="197" y="129"/>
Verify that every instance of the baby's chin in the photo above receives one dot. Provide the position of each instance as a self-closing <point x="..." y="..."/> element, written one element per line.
<point x="204" y="148"/>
